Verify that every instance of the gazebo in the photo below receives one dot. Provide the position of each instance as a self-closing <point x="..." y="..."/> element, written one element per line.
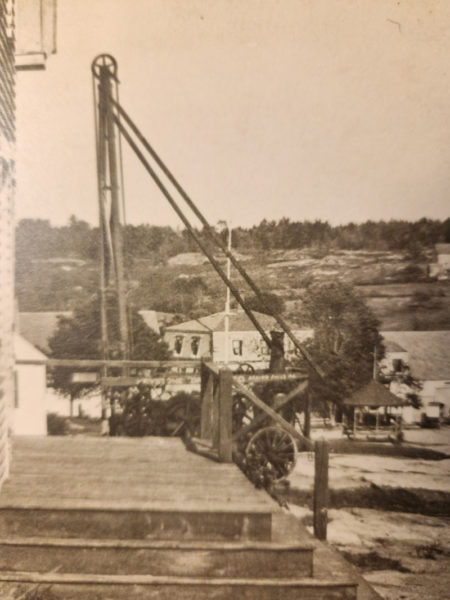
<point x="374" y="395"/>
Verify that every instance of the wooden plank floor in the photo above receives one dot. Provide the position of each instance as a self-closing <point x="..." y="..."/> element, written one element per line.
<point x="124" y="473"/>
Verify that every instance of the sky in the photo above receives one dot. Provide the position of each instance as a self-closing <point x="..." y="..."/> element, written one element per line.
<point x="336" y="110"/>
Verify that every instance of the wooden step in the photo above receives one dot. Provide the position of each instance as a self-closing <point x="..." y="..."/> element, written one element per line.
<point x="197" y="559"/>
<point x="138" y="587"/>
<point x="168" y="524"/>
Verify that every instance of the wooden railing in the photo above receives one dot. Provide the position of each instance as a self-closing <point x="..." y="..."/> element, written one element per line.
<point x="148" y="372"/>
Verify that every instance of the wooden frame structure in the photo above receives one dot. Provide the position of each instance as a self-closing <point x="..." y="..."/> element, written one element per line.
<point x="217" y="387"/>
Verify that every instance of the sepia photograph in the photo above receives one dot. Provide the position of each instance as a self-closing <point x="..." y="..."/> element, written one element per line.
<point x="224" y="299"/>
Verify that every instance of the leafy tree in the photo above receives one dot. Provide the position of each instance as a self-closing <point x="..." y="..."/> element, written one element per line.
<point x="79" y="337"/>
<point x="188" y="293"/>
<point x="268" y="304"/>
<point x="345" y="338"/>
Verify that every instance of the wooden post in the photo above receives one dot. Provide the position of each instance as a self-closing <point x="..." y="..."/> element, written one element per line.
<point x="207" y="384"/>
<point x="225" y="415"/>
<point x="320" y="502"/>
<point x="277" y="360"/>
<point x="307" y="425"/>
<point x="215" y="412"/>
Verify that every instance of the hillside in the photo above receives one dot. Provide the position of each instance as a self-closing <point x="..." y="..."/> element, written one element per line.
<point x="396" y="287"/>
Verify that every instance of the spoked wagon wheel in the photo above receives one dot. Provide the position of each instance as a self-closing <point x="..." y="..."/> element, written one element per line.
<point x="272" y="452"/>
<point x="182" y="416"/>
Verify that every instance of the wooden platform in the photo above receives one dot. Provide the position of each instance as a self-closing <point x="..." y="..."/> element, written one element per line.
<point x="144" y="518"/>
<point x="124" y="473"/>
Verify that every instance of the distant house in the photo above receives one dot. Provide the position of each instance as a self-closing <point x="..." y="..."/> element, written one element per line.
<point x="396" y="357"/>
<point x="440" y="268"/>
<point x="426" y="353"/>
<point x="157" y="320"/>
<point x="27" y="38"/>
<point x="443" y="255"/>
<point x="205" y="338"/>
<point x="29" y="413"/>
<point x="38" y="327"/>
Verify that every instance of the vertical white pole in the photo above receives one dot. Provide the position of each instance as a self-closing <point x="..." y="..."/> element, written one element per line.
<point x="228" y="298"/>
<point x="375" y="362"/>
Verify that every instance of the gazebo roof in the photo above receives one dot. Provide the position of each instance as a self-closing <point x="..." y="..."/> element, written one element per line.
<point x="374" y="394"/>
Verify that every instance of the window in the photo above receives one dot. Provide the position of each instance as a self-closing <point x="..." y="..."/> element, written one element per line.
<point x="195" y="345"/>
<point x="397" y="365"/>
<point x="178" y="344"/>
<point x="237" y="347"/>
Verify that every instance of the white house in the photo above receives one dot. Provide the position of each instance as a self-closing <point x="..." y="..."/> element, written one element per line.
<point x="443" y="255"/>
<point x="441" y="267"/>
<point x="206" y="338"/>
<point x="29" y="413"/>
<point x="26" y="37"/>
<point x="427" y="353"/>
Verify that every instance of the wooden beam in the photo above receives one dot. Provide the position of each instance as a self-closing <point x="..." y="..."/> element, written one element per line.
<point x="307" y="426"/>
<point x="270" y="412"/>
<point x="320" y="500"/>
<point x="96" y="363"/>
<point x="225" y="415"/>
<point x="215" y="413"/>
<point x="266" y="377"/>
<point x="207" y="387"/>
<point x="259" y="419"/>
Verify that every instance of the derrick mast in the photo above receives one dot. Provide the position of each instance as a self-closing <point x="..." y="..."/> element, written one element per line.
<point x="114" y="317"/>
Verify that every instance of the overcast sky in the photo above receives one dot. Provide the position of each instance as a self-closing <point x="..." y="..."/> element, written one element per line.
<point x="309" y="109"/>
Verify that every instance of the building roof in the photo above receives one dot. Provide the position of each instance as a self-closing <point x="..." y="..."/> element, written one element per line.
<point x="216" y="322"/>
<point x="156" y="319"/>
<point x="374" y="394"/>
<point x="442" y="248"/>
<point x="391" y="346"/>
<point x="38" y="327"/>
<point x="23" y="350"/>
<point x="428" y="352"/>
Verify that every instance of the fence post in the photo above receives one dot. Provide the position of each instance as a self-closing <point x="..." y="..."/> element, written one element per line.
<point x="225" y="415"/>
<point x="206" y="394"/>
<point x="320" y="502"/>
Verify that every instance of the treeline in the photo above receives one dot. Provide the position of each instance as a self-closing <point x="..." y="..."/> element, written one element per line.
<point x="38" y="239"/>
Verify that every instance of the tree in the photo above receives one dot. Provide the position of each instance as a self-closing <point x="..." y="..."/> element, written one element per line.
<point x="79" y="337"/>
<point x="268" y="303"/>
<point x="345" y="340"/>
<point x="188" y="293"/>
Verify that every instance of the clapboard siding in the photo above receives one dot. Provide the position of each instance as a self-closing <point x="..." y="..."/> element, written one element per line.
<point x="7" y="168"/>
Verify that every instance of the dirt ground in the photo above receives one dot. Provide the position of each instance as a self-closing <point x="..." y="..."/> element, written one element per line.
<point x="404" y="555"/>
